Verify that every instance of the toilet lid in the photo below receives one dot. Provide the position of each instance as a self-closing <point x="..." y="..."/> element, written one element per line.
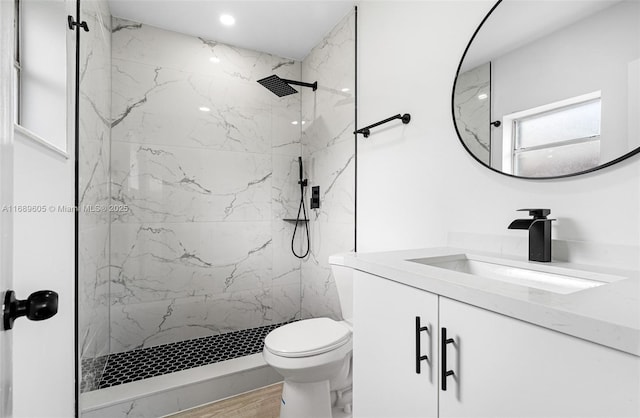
<point x="307" y="338"/>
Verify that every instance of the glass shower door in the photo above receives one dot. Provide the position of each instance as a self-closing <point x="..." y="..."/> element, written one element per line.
<point x="94" y="114"/>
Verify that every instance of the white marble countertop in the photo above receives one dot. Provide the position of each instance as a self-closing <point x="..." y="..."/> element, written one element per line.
<point x="608" y="314"/>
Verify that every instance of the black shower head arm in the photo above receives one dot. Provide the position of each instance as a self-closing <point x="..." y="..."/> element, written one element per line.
<point x="314" y="85"/>
<point x="281" y="87"/>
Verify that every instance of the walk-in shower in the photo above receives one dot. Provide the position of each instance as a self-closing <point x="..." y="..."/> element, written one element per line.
<point x="204" y="172"/>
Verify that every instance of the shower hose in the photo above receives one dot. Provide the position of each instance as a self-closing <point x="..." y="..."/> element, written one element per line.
<point x="304" y="220"/>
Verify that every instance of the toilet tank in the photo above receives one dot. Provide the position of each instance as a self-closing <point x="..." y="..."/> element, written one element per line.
<point x="343" y="277"/>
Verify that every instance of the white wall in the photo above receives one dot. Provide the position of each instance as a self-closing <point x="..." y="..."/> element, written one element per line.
<point x="416" y="183"/>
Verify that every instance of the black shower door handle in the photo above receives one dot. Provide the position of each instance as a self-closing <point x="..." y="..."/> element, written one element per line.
<point x="419" y="356"/>
<point x="443" y="356"/>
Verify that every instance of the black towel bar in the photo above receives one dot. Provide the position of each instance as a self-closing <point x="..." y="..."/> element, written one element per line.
<point x="366" y="131"/>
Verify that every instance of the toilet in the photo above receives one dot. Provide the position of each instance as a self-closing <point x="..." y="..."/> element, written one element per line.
<point x="314" y="357"/>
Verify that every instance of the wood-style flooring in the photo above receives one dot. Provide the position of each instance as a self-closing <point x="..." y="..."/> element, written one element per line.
<point x="260" y="403"/>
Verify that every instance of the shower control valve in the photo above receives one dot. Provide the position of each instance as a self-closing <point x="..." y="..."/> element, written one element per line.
<point x="315" y="197"/>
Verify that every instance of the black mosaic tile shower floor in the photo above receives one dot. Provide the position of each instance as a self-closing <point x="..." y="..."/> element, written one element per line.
<point x="131" y="366"/>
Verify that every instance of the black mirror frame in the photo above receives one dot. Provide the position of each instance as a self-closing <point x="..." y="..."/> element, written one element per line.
<point x="453" y="116"/>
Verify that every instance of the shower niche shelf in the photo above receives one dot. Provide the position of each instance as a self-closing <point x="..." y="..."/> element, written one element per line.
<point x="295" y="220"/>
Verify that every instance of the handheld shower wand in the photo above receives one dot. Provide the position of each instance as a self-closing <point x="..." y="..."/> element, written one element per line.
<point x="300" y="167"/>
<point x="303" y="183"/>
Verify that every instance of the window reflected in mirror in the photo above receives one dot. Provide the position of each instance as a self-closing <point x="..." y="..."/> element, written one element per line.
<point x="551" y="89"/>
<point x="555" y="139"/>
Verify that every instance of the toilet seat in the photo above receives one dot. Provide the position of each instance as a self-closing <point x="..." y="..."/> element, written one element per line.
<point x="307" y="338"/>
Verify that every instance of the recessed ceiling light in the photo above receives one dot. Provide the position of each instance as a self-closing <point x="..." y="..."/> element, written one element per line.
<point x="204" y="109"/>
<point x="227" y="20"/>
<point x="303" y="122"/>
<point x="295" y="122"/>
<point x="482" y="96"/>
<point x="346" y="89"/>
<point x="214" y="59"/>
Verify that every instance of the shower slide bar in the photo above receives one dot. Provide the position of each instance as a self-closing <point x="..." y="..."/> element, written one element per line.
<point x="406" y="118"/>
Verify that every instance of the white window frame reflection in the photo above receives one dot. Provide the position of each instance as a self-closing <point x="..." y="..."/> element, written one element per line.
<point x="17" y="66"/>
<point x="24" y="64"/>
<point x="510" y="129"/>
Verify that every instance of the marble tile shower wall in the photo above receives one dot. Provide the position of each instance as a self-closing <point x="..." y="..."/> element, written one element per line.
<point x="205" y="159"/>
<point x="94" y="154"/>
<point x="329" y="150"/>
<point x="473" y="111"/>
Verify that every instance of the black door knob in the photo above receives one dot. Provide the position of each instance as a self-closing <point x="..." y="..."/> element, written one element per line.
<point x="38" y="306"/>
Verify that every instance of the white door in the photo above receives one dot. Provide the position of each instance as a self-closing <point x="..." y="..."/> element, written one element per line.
<point x="389" y="378"/>
<point x="6" y="186"/>
<point x="36" y="248"/>
<point x="509" y="368"/>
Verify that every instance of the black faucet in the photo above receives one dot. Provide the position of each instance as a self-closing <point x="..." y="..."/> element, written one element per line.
<point x="539" y="233"/>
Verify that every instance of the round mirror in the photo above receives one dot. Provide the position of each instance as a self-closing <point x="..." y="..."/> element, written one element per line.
<point x="549" y="89"/>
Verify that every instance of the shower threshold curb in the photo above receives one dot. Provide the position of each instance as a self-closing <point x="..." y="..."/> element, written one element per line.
<point x="174" y="392"/>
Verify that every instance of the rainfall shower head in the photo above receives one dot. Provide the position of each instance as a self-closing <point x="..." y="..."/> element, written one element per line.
<point x="277" y="86"/>
<point x="281" y="87"/>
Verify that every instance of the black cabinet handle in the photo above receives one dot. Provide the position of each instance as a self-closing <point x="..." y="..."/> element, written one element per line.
<point x="443" y="355"/>
<point x="38" y="306"/>
<point x="419" y="356"/>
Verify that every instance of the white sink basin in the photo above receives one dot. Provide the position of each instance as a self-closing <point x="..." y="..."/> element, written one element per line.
<point x="544" y="277"/>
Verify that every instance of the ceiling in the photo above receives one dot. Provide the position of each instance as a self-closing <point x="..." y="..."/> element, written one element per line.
<point x="287" y="29"/>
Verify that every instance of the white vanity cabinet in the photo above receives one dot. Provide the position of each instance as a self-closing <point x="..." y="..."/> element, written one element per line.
<point x="503" y="367"/>
<point x="385" y="380"/>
